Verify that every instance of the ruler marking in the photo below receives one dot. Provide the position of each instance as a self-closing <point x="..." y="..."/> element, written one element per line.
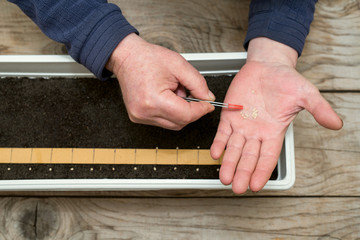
<point x="114" y="155"/>
<point x="198" y="154"/>
<point x="31" y="154"/>
<point x="156" y="155"/>
<point x="177" y="155"/>
<point x="51" y="154"/>
<point x="93" y="159"/>
<point x="11" y="155"/>
<point x="72" y="155"/>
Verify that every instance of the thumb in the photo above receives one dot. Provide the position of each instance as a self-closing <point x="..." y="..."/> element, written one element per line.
<point x="322" y="112"/>
<point x="192" y="80"/>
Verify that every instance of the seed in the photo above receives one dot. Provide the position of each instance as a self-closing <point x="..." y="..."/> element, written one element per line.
<point x="244" y="115"/>
<point x="254" y="113"/>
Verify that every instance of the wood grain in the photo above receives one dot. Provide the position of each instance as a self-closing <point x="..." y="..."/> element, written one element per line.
<point x="19" y="35"/>
<point x="190" y="26"/>
<point x="331" y="57"/>
<point x="213" y="218"/>
<point x="309" y="134"/>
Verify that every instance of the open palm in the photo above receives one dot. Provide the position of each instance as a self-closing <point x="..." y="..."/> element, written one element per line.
<point x="272" y="95"/>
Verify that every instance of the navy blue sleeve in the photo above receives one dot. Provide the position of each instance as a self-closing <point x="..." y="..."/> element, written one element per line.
<point x="285" y="21"/>
<point x="90" y="29"/>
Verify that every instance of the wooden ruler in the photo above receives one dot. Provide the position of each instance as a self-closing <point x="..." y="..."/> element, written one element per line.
<point x="107" y="156"/>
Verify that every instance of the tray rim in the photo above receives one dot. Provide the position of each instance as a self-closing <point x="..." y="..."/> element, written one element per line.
<point x="65" y="66"/>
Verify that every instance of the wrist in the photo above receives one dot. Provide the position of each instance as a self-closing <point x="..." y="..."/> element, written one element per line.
<point x="266" y="50"/>
<point x="122" y="52"/>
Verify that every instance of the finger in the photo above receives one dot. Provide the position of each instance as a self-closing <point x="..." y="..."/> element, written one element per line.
<point x="221" y="138"/>
<point x="269" y="155"/>
<point x="231" y="158"/>
<point x="322" y="111"/>
<point x="192" y="80"/>
<point x="246" y="166"/>
<point x="178" y="110"/>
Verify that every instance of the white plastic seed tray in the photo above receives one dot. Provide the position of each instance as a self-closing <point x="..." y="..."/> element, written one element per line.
<point x="65" y="66"/>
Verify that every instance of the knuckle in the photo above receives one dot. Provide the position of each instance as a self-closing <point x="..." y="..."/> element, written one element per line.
<point x="219" y="141"/>
<point x="184" y="120"/>
<point x="230" y="146"/>
<point x="147" y="104"/>
<point x="177" y="128"/>
<point x="177" y="58"/>
<point x="133" y="117"/>
<point x="173" y="127"/>
<point x="245" y="171"/>
<point x="250" y="155"/>
<point x="141" y="111"/>
<point x="224" y="132"/>
<point x="136" y="115"/>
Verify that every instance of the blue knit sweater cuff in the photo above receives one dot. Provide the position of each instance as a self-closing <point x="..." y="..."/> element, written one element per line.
<point x="102" y="41"/>
<point x="282" y="24"/>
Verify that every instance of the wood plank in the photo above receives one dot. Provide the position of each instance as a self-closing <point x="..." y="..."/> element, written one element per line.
<point x="331" y="57"/>
<point x="190" y="26"/>
<point x="19" y="35"/>
<point x="309" y="134"/>
<point x="154" y="218"/>
<point x="326" y="173"/>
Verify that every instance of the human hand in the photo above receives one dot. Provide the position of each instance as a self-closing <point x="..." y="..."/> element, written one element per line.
<point x="153" y="80"/>
<point x="272" y="93"/>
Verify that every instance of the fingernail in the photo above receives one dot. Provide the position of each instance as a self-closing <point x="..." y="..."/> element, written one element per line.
<point x="211" y="95"/>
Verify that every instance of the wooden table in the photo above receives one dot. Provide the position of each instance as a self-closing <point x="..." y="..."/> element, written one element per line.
<point x="324" y="203"/>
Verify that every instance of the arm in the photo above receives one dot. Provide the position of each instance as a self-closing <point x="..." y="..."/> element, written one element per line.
<point x="151" y="78"/>
<point x="272" y="93"/>
<point x="90" y="29"/>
